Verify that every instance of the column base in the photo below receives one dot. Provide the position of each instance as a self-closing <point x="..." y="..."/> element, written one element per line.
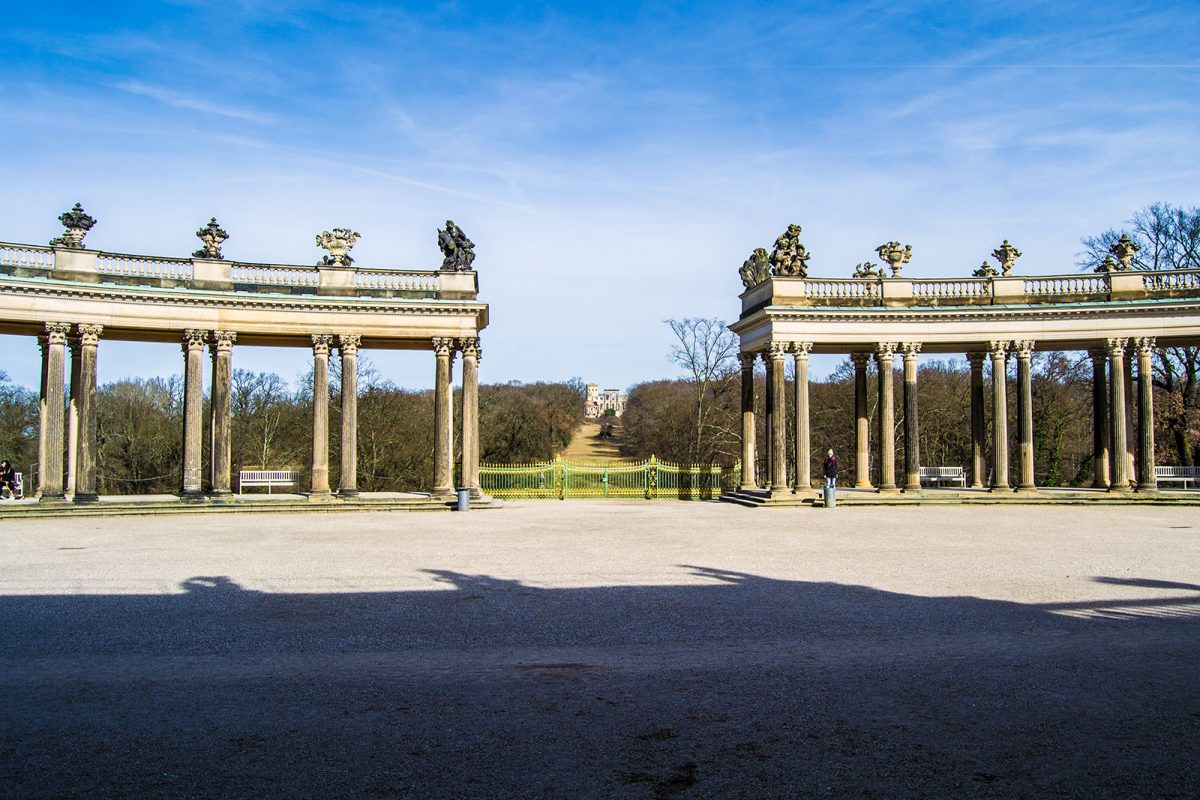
<point x="220" y="494"/>
<point x="347" y="493"/>
<point x="746" y="486"/>
<point x="52" y="497"/>
<point x="193" y="496"/>
<point x="1000" y="487"/>
<point x="85" y="497"/>
<point x="887" y="488"/>
<point x="1026" y="490"/>
<point x="1149" y="488"/>
<point x="321" y="497"/>
<point x="911" y="488"/>
<point x="865" y="485"/>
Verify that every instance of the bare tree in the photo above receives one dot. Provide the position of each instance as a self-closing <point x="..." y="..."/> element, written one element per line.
<point x="706" y="350"/>
<point x="1169" y="238"/>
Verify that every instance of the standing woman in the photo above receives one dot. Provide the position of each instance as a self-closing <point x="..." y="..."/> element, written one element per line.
<point x="830" y="467"/>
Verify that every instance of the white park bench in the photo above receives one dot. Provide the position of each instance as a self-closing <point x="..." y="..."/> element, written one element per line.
<point x="938" y="475"/>
<point x="267" y="478"/>
<point x="1184" y="475"/>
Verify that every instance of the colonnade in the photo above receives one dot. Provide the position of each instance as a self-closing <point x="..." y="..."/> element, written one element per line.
<point x="77" y="419"/>
<point x="1117" y="466"/>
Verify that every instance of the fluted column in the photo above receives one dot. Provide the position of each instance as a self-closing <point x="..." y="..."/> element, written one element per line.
<point x="749" y="446"/>
<point x="51" y="468"/>
<point x="443" y="480"/>
<point x="348" y="349"/>
<point x="191" y="482"/>
<point x="221" y="401"/>
<point x="1130" y="443"/>
<point x="471" y="354"/>
<point x="862" y="435"/>
<point x="885" y="352"/>
<point x="44" y="351"/>
<point x="778" y="424"/>
<point x="769" y="417"/>
<point x="73" y="387"/>
<point x="85" y="460"/>
<point x="999" y="354"/>
<point x="1146" y="480"/>
<point x="1117" y="418"/>
<point x="802" y="433"/>
<point x="978" y="465"/>
<point x="1100" y="426"/>
<point x="1026" y="481"/>
<point x="319" y="483"/>
<point x="912" y="429"/>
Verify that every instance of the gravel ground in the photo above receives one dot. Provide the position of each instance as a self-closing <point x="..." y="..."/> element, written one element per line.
<point x="604" y="649"/>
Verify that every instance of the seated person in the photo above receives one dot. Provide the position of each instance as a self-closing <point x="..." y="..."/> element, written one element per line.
<point x="8" y="480"/>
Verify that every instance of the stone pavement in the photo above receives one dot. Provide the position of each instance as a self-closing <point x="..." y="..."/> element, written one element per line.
<point x="604" y="649"/>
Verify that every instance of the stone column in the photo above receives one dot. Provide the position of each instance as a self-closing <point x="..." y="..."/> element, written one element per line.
<point x="348" y="349"/>
<point x="803" y="466"/>
<point x="51" y="468"/>
<point x="912" y="430"/>
<point x="85" y="460"/>
<point x="1117" y="417"/>
<point x="1026" y="481"/>
<point x="978" y="465"/>
<point x="862" y="435"/>
<point x="1130" y="444"/>
<point x="885" y="352"/>
<point x="471" y="354"/>
<point x="443" y="480"/>
<point x="749" y="445"/>
<point x="999" y="354"/>
<point x="191" y="483"/>
<point x="1146" y="480"/>
<point x="450" y="418"/>
<point x="319" y="483"/>
<point x="769" y="414"/>
<point x="73" y="346"/>
<point x="44" y="350"/>
<point x="1100" y="426"/>
<point x="221" y="400"/>
<point x="778" y="424"/>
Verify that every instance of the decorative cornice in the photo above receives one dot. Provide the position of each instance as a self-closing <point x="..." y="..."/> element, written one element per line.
<point x="348" y="344"/>
<point x="321" y="342"/>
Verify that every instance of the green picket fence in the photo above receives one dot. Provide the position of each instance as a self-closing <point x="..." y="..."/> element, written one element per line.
<point x="650" y="479"/>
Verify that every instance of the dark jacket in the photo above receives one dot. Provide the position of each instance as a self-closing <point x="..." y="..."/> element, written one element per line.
<point x="830" y="467"/>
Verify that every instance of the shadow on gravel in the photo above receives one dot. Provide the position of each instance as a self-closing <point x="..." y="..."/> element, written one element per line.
<point x="735" y="685"/>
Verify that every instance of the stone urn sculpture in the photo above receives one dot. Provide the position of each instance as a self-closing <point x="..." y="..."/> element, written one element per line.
<point x="77" y="223"/>
<point x="338" y="242"/>
<point x="895" y="256"/>
<point x="212" y="236"/>
<point x="1124" y="249"/>
<point x="1007" y="255"/>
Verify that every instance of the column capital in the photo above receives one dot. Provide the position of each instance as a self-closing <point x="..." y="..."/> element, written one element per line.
<point x="1116" y="346"/>
<point x="1145" y="345"/>
<point x="348" y="344"/>
<point x="800" y="350"/>
<point x="470" y="347"/>
<point x="321" y="342"/>
<point x="777" y="350"/>
<point x="1023" y="348"/>
<point x="860" y="359"/>
<point x="89" y="334"/>
<point x="747" y="360"/>
<point x="998" y="348"/>
<point x="910" y="349"/>
<point x="443" y="346"/>
<point x="194" y="339"/>
<point x="885" y="350"/>
<point x="56" y="332"/>
<point x="222" y="341"/>
<point x="976" y="358"/>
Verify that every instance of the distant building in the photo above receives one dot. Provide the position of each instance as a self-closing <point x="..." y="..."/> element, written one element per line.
<point x="599" y="403"/>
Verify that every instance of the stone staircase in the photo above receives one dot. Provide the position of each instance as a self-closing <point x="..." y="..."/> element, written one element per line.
<point x="764" y="498"/>
<point x="234" y="504"/>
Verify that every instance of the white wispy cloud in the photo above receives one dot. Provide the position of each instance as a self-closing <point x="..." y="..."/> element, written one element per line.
<point x="190" y="102"/>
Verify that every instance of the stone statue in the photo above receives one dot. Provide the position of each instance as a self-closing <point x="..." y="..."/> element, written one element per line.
<point x="867" y="270"/>
<point x="1109" y="264"/>
<point x="895" y="256"/>
<point x="459" y="251"/>
<point x="338" y="242"/>
<point x="986" y="270"/>
<point x="212" y="236"/>
<point x="756" y="268"/>
<point x="1124" y="249"/>
<point x="77" y="223"/>
<point x="790" y="258"/>
<point x="1007" y="255"/>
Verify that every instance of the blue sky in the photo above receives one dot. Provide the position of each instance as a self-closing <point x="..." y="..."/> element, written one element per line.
<point x="613" y="164"/>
